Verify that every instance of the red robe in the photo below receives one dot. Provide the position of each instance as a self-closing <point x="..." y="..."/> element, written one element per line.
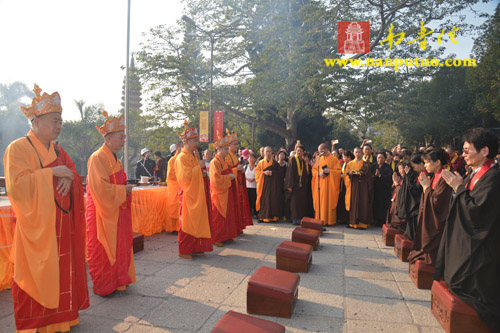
<point x="239" y="193"/>
<point x="69" y="232"/>
<point x="107" y="277"/>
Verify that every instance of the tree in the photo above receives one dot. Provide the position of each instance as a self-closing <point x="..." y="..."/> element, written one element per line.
<point x="275" y="65"/>
<point x="484" y="80"/>
<point x="13" y="123"/>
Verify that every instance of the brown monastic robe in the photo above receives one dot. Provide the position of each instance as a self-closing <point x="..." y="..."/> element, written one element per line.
<point x="298" y="184"/>
<point x="269" y="190"/>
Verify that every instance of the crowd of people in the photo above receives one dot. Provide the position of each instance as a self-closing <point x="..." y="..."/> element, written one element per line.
<point x="447" y="204"/>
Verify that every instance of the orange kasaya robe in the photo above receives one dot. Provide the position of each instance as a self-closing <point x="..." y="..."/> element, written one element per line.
<point x="223" y="205"/>
<point x="172" y="221"/>
<point x="240" y="193"/>
<point x="359" y="197"/>
<point x="329" y="188"/>
<point x="194" y="226"/>
<point x="109" y="224"/>
<point x="269" y="201"/>
<point x="50" y="281"/>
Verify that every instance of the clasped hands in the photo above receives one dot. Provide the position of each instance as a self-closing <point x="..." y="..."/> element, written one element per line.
<point x="65" y="178"/>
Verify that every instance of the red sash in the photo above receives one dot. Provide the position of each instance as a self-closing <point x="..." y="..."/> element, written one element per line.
<point x="436" y="178"/>
<point x="484" y="168"/>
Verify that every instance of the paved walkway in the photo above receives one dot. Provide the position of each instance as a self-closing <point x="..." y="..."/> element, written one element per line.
<point x="356" y="284"/>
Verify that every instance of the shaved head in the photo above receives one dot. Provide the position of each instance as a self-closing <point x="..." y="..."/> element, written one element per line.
<point x="323" y="146"/>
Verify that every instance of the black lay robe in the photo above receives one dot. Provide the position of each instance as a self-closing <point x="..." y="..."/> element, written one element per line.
<point x="298" y="196"/>
<point x="382" y="192"/>
<point x="469" y="254"/>
<point x="409" y="201"/>
<point x="435" y="205"/>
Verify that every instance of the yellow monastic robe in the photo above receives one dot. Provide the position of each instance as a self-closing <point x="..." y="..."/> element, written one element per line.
<point x="194" y="205"/>
<point x="329" y="189"/>
<point x="31" y="193"/>
<point x="259" y="178"/>
<point x="353" y="165"/>
<point x="107" y="197"/>
<point x="219" y="184"/>
<point x="172" y="222"/>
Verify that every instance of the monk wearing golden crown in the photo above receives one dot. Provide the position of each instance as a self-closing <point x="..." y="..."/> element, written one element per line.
<point x="194" y="226"/>
<point x="109" y="220"/>
<point x="46" y="193"/>
<point x="239" y="184"/>
<point x="223" y="208"/>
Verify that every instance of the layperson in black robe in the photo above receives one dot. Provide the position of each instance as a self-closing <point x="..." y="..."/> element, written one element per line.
<point x="410" y="194"/>
<point x="393" y="220"/>
<point x="434" y="208"/>
<point x="296" y="183"/>
<point x="468" y="257"/>
<point x="382" y="186"/>
<point x="269" y="176"/>
<point x="310" y="204"/>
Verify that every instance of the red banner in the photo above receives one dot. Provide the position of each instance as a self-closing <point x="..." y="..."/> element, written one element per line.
<point x="218" y="124"/>
<point x="203" y="126"/>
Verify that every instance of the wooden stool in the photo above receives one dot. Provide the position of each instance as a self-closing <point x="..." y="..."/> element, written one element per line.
<point x="306" y="236"/>
<point x="452" y="313"/>
<point x="388" y="235"/>
<point x="243" y="323"/>
<point x="311" y="223"/>
<point x="138" y="243"/>
<point x="402" y="247"/>
<point x="421" y="274"/>
<point x="272" y="292"/>
<point x="294" y="257"/>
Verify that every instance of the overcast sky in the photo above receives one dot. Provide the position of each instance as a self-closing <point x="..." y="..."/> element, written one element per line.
<point x="78" y="47"/>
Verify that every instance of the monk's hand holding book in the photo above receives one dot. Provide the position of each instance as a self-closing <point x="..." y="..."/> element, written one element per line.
<point x="231" y="176"/>
<point x="268" y="173"/>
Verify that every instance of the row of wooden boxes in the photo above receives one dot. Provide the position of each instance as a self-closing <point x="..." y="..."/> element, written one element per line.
<point x="274" y="292"/>
<point x="453" y="314"/>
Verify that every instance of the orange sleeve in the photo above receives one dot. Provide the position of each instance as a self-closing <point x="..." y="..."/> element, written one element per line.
<point x="34" y="252"/>
<point x="334" y="180"/>
<point x="259" y="178"/>
<point x="107" y="198"/>
<point x="219" y="186"/>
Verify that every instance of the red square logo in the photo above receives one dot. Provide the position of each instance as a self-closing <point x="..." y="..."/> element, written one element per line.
<point x="353" y="37"/>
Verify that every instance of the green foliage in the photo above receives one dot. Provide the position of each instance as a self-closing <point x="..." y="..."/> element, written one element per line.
<point x="484" y="80"/>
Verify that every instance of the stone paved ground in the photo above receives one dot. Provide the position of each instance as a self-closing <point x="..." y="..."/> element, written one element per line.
<point x="356" y="284"/>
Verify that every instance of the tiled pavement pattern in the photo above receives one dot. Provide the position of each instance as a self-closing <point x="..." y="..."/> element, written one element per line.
<point x="356" y="284"/>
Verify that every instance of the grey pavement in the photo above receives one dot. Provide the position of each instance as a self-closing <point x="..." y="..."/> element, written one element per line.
<point x="356" y="284"/>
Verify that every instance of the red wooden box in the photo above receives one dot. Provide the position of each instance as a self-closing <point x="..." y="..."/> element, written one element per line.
<point x="138" y="243"/>
<point x="452" y="313"/>
<point x="311" y="223"/>
<point x="388" y="235"/>
<point x="306" y="236"/>
<point x="402" y="247"/>
<point x="294" y="257"/>
<point x="421" y="274"/>
<point x="272" y="292"/>
<point x="243" y="323"/>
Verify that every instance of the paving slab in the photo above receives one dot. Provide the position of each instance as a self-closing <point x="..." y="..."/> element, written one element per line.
<point x="356" y="284"/>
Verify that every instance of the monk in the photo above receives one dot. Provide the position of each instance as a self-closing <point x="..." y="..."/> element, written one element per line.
<point x="359" y="183"/>
<point x="393" y="220"/>
<point x="50" y="282"/>
<point x="269" y="194"/>
<point x="172" y="220"/>
<point x="222" y="204"/>
<point x="468" y="259"/>
<point x="326" y="185"/>
<point x="296" y="182"/>
<point x="239" y="184"/>
<point x="382" y="188"/>
<point x="109" y="220"/>
<point x="434" y="208"/>
<point x="194" y="226"/>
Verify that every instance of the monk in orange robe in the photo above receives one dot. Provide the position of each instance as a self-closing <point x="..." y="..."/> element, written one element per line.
<point x="359" y="191"/>
<point x="326" y="176"/>
<point x="223" y="205"/>
<point x="238" y="184"/>
<point x="109" y="220"/>
<point x="50" y="282"/>
<point x="172" y="221"/>
<point x="194" y="226"/>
